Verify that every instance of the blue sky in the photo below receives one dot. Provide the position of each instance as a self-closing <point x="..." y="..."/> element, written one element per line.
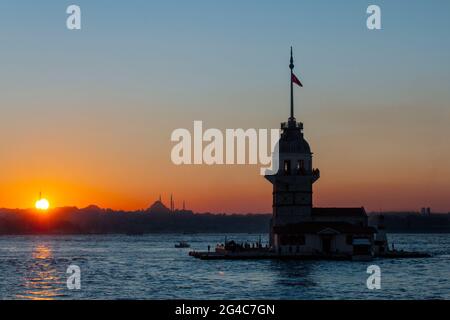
<point x="187" y="47"/>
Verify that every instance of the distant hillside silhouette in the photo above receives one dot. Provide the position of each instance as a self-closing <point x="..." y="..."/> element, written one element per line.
<point x="413" y="222"/>
<point x="156" y="219"/>
<point x="159" y="219"/>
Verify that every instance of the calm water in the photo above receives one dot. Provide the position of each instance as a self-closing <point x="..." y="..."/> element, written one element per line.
<point x="149" y="267"/>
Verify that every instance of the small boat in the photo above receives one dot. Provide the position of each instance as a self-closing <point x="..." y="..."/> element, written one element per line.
<point x="182" y="244"/>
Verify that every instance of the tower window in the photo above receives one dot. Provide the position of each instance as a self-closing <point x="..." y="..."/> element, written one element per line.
<point x="287" y="167"/>
<point x="300" y="167"/>
<point x="349" y="239"/>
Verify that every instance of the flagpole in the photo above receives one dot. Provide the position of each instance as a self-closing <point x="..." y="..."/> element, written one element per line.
<point x="291" y="66"/>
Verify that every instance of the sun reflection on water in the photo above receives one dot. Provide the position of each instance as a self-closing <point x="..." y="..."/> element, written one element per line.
<point x="41" y="281"/>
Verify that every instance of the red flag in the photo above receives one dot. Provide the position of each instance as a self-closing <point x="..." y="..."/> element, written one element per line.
<point x="295" y="80"/>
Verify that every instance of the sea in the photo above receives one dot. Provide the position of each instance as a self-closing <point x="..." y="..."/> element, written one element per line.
<point x="150" y="267"/>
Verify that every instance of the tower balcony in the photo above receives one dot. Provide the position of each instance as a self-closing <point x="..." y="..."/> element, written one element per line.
<point x="291" y="124"/>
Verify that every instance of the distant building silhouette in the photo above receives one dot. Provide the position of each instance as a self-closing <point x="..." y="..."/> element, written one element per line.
<point x="158" y="207"/>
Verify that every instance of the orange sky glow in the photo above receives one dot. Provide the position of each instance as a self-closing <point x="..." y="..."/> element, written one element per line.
<point x="86" y="117"/>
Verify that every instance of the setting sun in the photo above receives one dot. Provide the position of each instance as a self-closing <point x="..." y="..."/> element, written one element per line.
<point x="42" y="204"/>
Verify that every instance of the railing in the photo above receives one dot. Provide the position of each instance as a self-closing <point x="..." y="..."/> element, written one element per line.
<point x="316" y="174"/>
<point x="285" y="125"/>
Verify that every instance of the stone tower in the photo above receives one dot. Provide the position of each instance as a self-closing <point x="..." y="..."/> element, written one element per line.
<point x="292" y="183"/>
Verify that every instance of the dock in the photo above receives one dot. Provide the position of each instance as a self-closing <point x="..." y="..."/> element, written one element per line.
<point x="268" y="254"/>
<point x="253" y="255"/>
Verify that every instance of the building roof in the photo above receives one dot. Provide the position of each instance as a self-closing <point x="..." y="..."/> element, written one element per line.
<point x="339" y="212"/>
<point x="292" y="140"/>
<point x="319" y="227"/>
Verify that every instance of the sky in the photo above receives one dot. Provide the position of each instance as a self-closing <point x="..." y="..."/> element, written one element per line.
<point x="86" y="115"/>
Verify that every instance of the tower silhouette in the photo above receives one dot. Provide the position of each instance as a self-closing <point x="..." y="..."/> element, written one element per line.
<point x="292" y="183"/>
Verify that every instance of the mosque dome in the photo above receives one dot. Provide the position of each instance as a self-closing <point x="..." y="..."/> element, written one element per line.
<point x="158" y="207"/>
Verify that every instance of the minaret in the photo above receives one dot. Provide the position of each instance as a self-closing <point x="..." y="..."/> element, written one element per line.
<point x="171" y="203"/>
<point x="292" y="184"/>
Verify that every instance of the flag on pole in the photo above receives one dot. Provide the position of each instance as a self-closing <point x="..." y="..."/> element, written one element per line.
<point x="295" y="80"/>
